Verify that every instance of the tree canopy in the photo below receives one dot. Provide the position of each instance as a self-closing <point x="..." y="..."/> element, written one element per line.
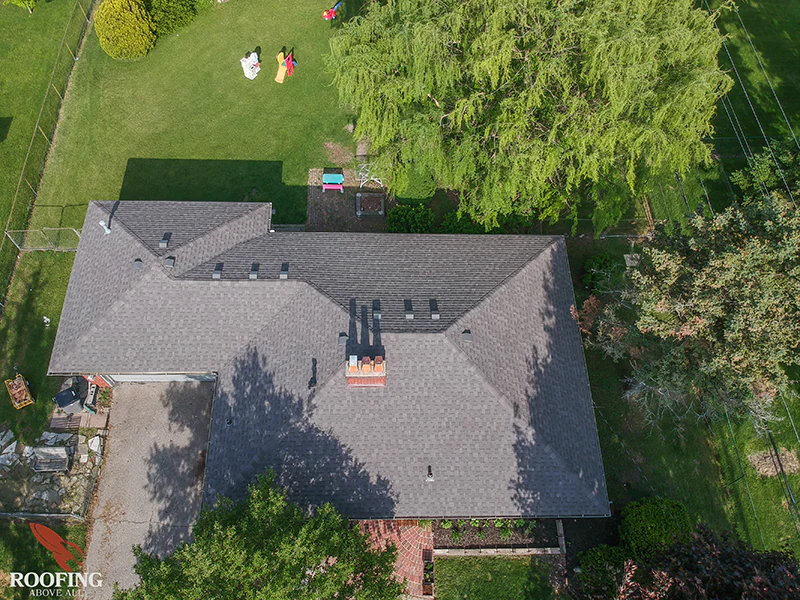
<point x="124" y="29"/>
<point x="716" y="310"/>
<point x="268" y="548"/>
<point x="527" y="107"/>
<point x="28" y="4"/>
<point x="708" y="565"/>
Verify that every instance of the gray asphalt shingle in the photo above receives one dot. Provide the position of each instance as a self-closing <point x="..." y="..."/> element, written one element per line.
<point x="505" y="421"/>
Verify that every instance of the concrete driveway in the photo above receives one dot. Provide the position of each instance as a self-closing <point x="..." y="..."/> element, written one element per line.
<point x="151" y="483"/>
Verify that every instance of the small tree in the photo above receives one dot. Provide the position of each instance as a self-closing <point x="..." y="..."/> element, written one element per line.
<point x="124" y="29"/>
<point x="29" y="4"/>
<point x="267" y="547"/>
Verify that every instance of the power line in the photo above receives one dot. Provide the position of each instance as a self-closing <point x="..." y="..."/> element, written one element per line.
<point x="746" y="483"/>
<point x="764" y="71"/>
<point x="705" y="191"/>
<point x="748" y="153"/>
<point x="755" y="114"/>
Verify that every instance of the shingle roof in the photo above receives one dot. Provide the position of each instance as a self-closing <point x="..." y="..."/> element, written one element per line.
<point x="505" y="421"/>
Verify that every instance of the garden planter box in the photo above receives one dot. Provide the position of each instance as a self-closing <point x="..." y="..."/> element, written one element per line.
<point x="542" y="535"/>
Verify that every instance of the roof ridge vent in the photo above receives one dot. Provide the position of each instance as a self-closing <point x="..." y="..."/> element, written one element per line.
<point x="409" y="309"/>
<point x="284" y="270"/>
<point x="165" y="240"/>
<point x="434" y="310"/>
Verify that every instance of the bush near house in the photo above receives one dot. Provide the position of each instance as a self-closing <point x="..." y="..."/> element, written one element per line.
<point x="170" y="15"/>
<point x="124" y="29"/>
<point x="410" y="218"/>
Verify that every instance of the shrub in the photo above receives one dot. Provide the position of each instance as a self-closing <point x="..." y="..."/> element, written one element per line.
<point x="456" y="535"/>
<point x="476" y="522"/>
<point x="410" y="218"/>
<point x="498" y="523"/>
<point x="425" y="523"/>
<point x="169" y="15"/>
<point x="505" y="532"/>
<point x="599" y="270"/>
<point x="462" y="522"/>
<point x="452" y="222"/>
<point x="652" y="524"/>
<point x="519" y="523"/>
<point x="446" y="524"/>
<point x="480" y="534"/>
<point x="124" y="29"/>
<point x="600" y="567"/>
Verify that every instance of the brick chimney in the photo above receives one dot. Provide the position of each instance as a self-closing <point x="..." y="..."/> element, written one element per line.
<point x="365" y="372"/>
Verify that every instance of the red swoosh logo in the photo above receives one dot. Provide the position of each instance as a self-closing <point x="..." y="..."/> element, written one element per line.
<point x="58" y="546"/>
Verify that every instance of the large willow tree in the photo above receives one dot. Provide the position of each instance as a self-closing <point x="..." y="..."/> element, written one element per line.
<point x="526" y="106"/>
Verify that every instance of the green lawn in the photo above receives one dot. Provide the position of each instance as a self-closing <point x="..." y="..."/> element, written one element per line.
<point x="774" y="27"/>
<point x="28" y="47"/>
<point x="184" y="123"/>
<point x="491" y="578"/>
<point x="20" y="552"/>
<point x="37" y="291"/>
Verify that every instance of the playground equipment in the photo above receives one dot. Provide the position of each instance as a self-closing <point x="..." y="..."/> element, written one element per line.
<point x="250" y="65"/>
<point x="333" y="181"/>
<point x="330" y="14"/>
<point x="279" y="77"/>
<point x="19" y="391"/>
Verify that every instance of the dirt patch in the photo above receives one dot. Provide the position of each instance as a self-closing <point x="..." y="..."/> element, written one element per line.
<point x="767" y="467"/>
<point x="338" y="154"/>
<point x="333" y="211"/>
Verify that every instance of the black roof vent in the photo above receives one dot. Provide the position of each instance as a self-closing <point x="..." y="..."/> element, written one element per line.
<point x="254" y="271"/>
<point x="376" y="309"/>
<point x="169" y="262"/>
<point x="429" y="476"/>
<point x="466" y="335"/>
<point x="284" y="270"/>
<point x="409" y="309"/>
<point x="218" y="271"/>
<point x="165" y="239"/>
<point x="434" y="310"/>
<point x="138" y="264"/>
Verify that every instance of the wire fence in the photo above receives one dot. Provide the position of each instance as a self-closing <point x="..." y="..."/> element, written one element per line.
<point x="42" y="137"/>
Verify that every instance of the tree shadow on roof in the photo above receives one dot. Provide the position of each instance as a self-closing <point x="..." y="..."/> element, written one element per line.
<point x="175" y="468"/>
<point x="214" y="181"/>
<point x="258" y="426"/>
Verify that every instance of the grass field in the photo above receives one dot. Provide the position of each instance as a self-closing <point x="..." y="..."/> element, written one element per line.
<point x="492" y="578"/>
<point x="184" y="123"/>
<point x="20" y="552"/>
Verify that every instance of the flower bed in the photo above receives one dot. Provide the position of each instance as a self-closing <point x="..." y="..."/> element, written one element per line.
<point x="494" y="533"/>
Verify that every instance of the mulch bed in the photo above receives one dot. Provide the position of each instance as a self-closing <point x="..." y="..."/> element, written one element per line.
<point x="543" y="535"/>
<point x="332" y="211"/>
<point x="764" y="463"/>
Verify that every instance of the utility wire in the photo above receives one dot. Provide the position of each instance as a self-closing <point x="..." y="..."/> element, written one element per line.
<point x="764" y="71"/>
<point x="791" y="420"/>
<point x="746" y="483"/>
<point x="743" y="143"/>
<point x="755" y="114"/>
<point x="705" y="191"/>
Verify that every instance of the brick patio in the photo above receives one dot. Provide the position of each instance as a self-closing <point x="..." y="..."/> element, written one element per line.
<point x="411" y="541"/>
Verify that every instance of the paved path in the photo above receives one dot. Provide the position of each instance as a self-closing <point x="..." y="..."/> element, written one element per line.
<point x="151" y="483"/>
<point x="412" y="543"/>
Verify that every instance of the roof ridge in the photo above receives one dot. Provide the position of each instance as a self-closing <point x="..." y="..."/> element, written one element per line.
<point x="509" y="277"/>
<point x="101" y="204"/>
<point x="200" y="241"/>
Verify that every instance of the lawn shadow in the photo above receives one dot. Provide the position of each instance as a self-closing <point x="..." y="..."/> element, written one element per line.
<point x="26" y="343"/>
<point x="214" y="181"/>
<point x="258" y="425"/>
<point x="5" y="126"/>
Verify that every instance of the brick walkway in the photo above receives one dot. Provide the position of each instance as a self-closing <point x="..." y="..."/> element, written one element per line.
<point x="411" y="541"/>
